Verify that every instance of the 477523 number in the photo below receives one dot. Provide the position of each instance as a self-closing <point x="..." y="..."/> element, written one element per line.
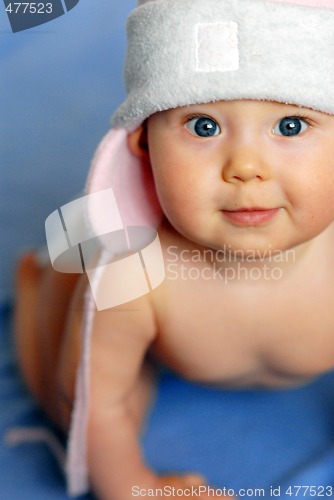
<point x="29" y="8"/>
<point x="310" y="491"/>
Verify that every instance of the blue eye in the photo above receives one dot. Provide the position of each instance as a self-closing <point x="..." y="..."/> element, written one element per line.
<point x="290" y="126"/>
<point x="203" y="127"/>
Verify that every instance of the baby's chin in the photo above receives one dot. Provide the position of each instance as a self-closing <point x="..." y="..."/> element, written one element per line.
<point x="263" y="249"/>
<point x="247" y="243"/>
<point x="217" y="240"/>
<point x="244" y="251"/>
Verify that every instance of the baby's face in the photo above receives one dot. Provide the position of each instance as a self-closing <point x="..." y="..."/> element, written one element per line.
<point x="248" y="174"/>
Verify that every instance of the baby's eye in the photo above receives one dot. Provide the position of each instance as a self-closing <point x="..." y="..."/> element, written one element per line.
<point x="203" y="127"/>
<point x="290" y="126"/>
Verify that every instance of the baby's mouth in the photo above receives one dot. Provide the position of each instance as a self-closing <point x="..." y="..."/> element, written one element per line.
<point x="250" y="216"/>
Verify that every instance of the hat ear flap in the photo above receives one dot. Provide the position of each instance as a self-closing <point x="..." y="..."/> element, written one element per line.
<point x="130" y="177"/>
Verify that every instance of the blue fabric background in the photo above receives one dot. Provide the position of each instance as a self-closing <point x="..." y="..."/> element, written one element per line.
<point x="59" y="84"/>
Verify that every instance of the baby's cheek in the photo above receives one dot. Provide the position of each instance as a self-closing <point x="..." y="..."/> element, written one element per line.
<point x="323" y="202"/>
<point x="171" y="202"/>
<point x="177" y="210"/>
<point x="180" y="212"/>
<point x="318" y="212"/>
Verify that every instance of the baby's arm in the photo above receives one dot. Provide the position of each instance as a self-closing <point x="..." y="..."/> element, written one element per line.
<point x="119" y="393"/>
<point x="120" y="340"/>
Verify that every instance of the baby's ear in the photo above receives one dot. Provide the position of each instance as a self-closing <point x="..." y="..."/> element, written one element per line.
<point x="138" y="143"/>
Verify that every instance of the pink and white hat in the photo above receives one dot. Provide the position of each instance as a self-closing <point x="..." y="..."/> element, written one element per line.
<point x="182" y="52"/>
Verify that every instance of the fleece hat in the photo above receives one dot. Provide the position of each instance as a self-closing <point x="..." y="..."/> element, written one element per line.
<point x="182" y="52"/>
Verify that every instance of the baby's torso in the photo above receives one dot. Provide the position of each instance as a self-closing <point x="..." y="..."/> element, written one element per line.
<point x="270" y="325"/>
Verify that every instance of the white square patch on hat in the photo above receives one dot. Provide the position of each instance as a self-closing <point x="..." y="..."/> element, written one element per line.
<point x="217" y="46"/>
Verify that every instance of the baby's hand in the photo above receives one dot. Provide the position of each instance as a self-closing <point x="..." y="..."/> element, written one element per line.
<point x="186" y="486"/>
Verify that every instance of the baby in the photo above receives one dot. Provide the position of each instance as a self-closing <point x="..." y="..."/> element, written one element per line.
<point x="230" y="112"/>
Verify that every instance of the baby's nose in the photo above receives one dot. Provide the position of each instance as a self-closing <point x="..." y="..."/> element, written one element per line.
<point x="244" y="164"/>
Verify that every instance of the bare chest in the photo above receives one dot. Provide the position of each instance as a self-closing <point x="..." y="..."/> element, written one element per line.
<point x="249" y="333"/>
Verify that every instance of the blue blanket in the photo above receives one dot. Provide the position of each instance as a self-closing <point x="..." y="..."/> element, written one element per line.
<point x="62" y="82"/>
<point x="266" y="442"/>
